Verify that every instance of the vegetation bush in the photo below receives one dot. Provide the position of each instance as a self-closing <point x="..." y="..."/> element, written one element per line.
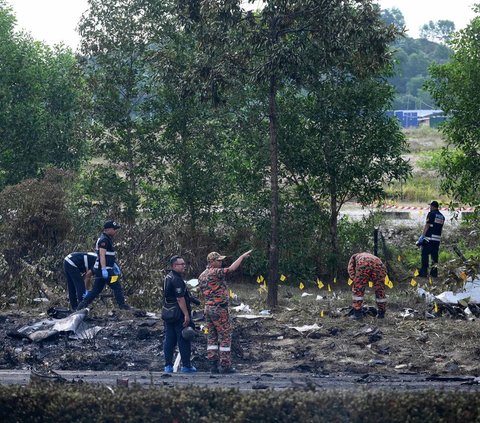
<point x="82" y="403"/>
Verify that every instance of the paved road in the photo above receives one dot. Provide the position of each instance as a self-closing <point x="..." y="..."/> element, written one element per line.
<point x="252" y="381"/>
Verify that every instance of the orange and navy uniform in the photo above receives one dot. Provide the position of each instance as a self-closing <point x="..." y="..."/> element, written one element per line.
<point x="215" y="292"/>
<point x="362" y="269"/>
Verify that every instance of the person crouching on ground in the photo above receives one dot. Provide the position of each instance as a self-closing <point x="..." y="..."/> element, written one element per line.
<point x="175" y="291"/>
<point x="78" y="269"/>
<point x="215" y="292"/>
<point x="362" y="269"/>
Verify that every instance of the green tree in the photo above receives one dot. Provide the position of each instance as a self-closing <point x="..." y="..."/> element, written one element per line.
<point x="119" y="39"/>
<point x="286" y="41"/>
<point x="440" y="31"/>
<point x="43" y="107"/>
<point x="395" y="17"/>
<point x="454" y="87"/>
<point x="340" y="145"/>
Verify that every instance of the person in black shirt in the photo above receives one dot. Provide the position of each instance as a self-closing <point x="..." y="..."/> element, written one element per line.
<point x="429" y="241"/>
<point x="175" y="292"/>
<point x="105" y="269"/>
<point x="78" y="270"/>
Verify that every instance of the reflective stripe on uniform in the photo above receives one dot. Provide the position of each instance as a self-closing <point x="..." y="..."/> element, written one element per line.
<point x="357" y="298"/>
<point x="110" y="253"/>
<point x="436" y="237"/>
<point x="85" y="261"/>
<point x="67" y="259"/>
<point x="212" y="347"/>
<point x="224" y="348"/>
<point x="381" y="300"/>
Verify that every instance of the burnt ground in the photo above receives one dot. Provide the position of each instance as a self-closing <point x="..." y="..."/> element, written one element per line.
<point x="415" y="350"/>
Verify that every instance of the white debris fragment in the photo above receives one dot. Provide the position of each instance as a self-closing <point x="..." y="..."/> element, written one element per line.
<point x="305" y="328"/>
<point x="41" y="300"/>
<point x="192" y="283"/>
<point x="408" y="312"/>
<point x="306" y="294"/>
<point x="242" y="307"/>
<point x="254" y="316"/>
<point x="265" y="312"/>
<point x="429" y="298"/>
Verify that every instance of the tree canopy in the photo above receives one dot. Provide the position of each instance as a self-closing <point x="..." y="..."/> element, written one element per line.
<point x="454" y="86"/>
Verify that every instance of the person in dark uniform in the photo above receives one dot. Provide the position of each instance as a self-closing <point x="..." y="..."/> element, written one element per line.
<point x="105" y="269"/>
<point x="78" y="269"/>
<point x="429" y="241"/>
<point x="215" y="292"/>
<point x="175" y="292"/>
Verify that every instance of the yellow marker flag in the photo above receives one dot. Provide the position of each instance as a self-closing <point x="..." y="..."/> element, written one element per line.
<point x="413" y="282"/>
<point x="264" y="284"/>
<point x="435" y="308"/>
<point x="320" y="284"/>
<point x="416" y="273"/>
<point x="114" y="279"/>
<point x="334" y="280"/>
<point x="329" y="288"/>
<point x="259" y="280"/>
<point x="301" y="286"/>
<point x="430" y="281"/>
<point x="370" y="284"/>
<point x="399" y="258"/>
<point x="283" y="278"/>
<point x="205" y="330"/>
<point x="231" y="294"/>
<point x="321" y="313"/>
<point x="349" y="281"/>
<point x="463" y="275"/>
<point x="390" y="284"/>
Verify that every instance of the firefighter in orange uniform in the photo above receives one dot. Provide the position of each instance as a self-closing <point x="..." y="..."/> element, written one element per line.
<point x="364" y="268"/>
<point x="216" y="295"/>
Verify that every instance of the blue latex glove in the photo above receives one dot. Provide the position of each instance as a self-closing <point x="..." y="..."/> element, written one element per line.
<point x="104" y="273"/>
<point x="85" y="294"/>
<point x="420" y="240"/>
<point x="116" y="270"/>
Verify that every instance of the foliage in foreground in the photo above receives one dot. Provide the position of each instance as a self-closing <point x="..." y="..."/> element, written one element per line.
<point x="88" y="403"/>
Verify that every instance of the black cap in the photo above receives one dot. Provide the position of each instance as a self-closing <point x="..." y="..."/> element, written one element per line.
<point x="434" y="204"/>
<point x="111" y="224"/>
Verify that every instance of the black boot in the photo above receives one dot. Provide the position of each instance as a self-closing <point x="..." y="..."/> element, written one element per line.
<point x="357" y="315"/>
<point x="381" y="314"/>
<point x="227" y="370"/>
<point x="214" y="367"/>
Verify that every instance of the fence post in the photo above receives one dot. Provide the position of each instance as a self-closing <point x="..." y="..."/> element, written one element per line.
<point x="375" y="242"/>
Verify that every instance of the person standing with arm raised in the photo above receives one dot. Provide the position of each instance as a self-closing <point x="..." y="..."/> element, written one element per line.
<point x="215" y="292"/>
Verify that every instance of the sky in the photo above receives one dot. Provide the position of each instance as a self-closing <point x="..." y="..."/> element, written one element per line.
<point x="54" y="21"/>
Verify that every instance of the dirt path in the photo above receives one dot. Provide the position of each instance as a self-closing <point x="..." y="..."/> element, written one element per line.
<point x="253" y="381"/>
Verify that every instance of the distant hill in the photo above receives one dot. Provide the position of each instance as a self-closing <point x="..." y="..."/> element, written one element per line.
<point x="413" y="57"/>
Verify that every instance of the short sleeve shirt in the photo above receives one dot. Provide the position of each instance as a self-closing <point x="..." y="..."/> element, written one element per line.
<point x="435" y="220"/>
<point x="213" y="286"/>
<point x="175" y="287"/>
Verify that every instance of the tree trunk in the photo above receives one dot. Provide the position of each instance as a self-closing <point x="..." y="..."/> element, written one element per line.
<point x="132" y="200"/>
<point x="334" y="234"/>
<point x="272" y="297"/>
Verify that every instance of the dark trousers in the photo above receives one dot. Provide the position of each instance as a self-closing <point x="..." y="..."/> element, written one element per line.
<point x="173" y="336"/>
<point x="430" y="250"/>
<point x="97" y="288"/>
<point x="75" y="284"/>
